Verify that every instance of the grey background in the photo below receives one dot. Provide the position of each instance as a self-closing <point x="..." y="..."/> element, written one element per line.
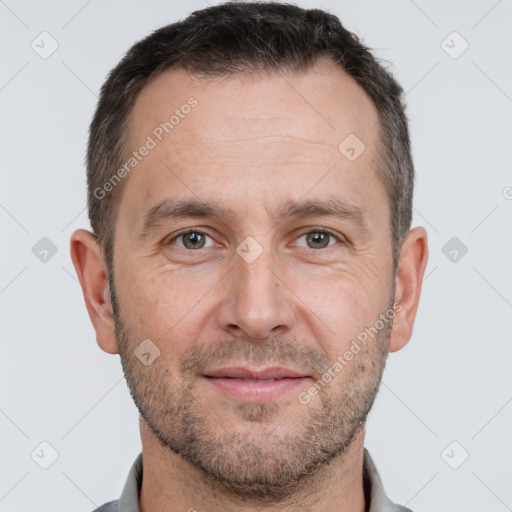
<point x="450" y="383"/>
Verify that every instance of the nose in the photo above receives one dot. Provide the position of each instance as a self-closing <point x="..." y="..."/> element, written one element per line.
<point x="256" y="302"/>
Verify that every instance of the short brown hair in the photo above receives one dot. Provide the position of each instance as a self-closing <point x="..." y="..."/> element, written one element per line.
<point x="228" y="40"/>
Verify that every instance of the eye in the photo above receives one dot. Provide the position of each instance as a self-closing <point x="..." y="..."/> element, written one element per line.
<point x="319" y="239"/>
<point x="192" y="239"/>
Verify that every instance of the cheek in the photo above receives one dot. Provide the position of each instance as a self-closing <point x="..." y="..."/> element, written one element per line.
<point x="341" y="307"/>
<point x="162" y="306"/>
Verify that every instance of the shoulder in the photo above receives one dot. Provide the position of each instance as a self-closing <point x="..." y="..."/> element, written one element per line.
<point x="111" y="506"/>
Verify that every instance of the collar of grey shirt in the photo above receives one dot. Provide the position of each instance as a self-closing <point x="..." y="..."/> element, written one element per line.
<point x="129" y="500"/>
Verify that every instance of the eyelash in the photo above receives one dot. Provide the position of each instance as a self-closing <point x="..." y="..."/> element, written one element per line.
<point x="318" y="230"/>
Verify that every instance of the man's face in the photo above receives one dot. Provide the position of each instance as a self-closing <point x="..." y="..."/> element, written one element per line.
<point x="266" y="284"/>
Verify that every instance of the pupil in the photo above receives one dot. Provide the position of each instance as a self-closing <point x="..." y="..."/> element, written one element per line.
<point x="318" y="238"/>
<point x="194" y="239"/>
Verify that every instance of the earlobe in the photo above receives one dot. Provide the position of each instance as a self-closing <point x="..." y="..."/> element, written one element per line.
<point x="92" y="274"/>
<point x="409" y="277"/>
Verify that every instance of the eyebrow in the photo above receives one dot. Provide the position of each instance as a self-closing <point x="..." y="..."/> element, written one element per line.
<point x="169" y="209"/>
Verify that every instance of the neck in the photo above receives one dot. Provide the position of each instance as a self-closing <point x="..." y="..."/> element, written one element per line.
<point x="172" y="483"/>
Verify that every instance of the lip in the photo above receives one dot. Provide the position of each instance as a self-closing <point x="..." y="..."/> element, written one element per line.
<point x="249" y="385"/>
<point x="240" y="372"/>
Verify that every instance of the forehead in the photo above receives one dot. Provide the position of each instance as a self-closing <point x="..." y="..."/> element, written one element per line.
<point x="321" y="105"/>
<point x="274" y="134"/>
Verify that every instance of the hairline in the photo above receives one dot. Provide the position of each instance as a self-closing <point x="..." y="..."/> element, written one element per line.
<point x="380" y="167"/>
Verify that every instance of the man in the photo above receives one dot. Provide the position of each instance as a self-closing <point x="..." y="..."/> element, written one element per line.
<point x="250" y="193"/>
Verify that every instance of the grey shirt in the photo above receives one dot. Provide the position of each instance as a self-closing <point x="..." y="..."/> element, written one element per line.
<point x="129" y="500"/>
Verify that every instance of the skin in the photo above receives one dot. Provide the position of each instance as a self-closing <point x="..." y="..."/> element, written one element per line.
<point x="253" y="143"/>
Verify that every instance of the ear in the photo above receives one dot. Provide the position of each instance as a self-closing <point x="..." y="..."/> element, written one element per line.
<point x="411" y="267"/>
<point x="92" y="274"/>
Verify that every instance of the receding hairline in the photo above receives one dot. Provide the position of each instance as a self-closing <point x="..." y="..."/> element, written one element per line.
<point x="321" y="64"/>
<point x="167" y="49"/>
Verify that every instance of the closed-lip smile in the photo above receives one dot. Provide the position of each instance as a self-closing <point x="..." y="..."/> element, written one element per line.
<point x="251" y="385"/>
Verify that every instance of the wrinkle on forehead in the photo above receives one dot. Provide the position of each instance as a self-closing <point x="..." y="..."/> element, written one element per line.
<point x="255" y="151"/>
<point x="258" y="140"/>
<point x="269" y="134"/>
<point x="318" y="107"/>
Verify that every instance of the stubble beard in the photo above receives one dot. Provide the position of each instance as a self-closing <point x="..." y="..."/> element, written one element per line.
<point x="271" y="453"/>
